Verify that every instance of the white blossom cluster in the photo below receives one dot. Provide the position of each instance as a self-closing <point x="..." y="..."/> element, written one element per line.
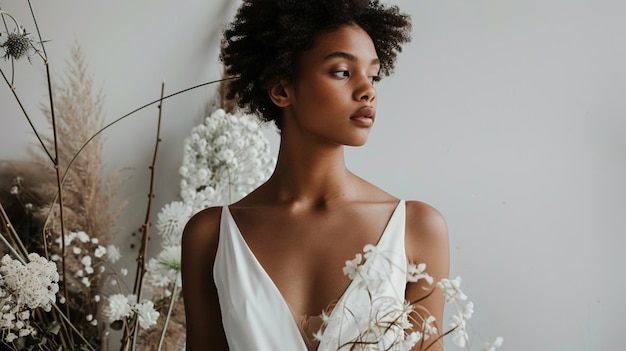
<point x="24" y="288"/>
<point x="224" y="159"/>
<point x="120" y="306"/>
<point x="89" y="253"/>
<point x="385" y="323"/>
<point x="451" y="289"/>
<point x="164" y="269"/>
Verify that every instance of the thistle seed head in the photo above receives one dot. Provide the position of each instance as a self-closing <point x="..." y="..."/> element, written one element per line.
<point x="16" y="46"/>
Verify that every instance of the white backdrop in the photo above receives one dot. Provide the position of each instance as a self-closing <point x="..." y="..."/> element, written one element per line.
<point x="507" y="116"/>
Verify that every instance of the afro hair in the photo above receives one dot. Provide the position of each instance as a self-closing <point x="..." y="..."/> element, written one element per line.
<point x="266" y="37"/>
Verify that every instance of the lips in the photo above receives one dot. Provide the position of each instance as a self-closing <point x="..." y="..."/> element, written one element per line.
<point x="366" y="112"/>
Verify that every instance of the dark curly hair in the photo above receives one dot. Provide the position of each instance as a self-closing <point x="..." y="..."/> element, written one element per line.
<point x="263" y="42"/>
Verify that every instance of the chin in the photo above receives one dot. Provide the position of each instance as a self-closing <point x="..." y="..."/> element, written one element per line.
<point x="356" y="142"/>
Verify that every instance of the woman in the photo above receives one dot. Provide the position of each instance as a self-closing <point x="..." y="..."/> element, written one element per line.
<point x="258" y="274"/>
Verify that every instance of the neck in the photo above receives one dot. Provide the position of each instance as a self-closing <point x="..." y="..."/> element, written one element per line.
<point x="311" y="173"/>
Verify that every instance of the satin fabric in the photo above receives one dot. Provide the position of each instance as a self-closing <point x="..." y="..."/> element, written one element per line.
<point x="256" y="317"/>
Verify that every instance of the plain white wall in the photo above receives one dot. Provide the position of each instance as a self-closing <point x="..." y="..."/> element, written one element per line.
<point x="507" y="116"/>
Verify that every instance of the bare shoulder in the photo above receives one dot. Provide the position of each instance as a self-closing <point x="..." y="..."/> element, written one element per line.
<point x="426" y="233"/>
<point x="202" y="310"/>
<point x="202" y="229"/>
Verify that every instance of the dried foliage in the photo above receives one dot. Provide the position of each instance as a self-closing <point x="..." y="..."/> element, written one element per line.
<point x="78" y="110"/>
<point x="28" y="188"/>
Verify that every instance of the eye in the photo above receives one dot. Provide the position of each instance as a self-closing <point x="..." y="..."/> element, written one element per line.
<point x="341" y="74"/>
<point x="375" y="79"/>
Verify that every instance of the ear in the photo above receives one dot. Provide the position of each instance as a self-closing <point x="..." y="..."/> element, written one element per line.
<point x="280" y="94"/>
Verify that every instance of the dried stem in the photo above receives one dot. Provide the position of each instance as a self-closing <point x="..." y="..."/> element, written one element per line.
<point x="143" y="251"/>
<point x="43" y="48"/>
<point x="59" y="186"/>
<point x="6" y="223"/>
<point x="169" y="314"/>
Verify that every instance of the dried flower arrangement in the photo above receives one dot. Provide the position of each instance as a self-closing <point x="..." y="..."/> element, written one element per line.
<point x="60" y="291"/>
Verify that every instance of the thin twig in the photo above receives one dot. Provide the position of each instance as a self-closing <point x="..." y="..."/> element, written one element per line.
<point x="38" y="32"/>
<point x="6" y="223"/>
<point x="134" y="111"/>
<point x="143" y="251"/>
<point x="169" y="314"/>
<point x="59" y="187"/>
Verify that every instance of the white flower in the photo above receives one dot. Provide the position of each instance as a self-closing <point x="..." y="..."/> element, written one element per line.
<point x="430" y="329"/>
<point x="117" y="307"/>
<point x="171" y="222"/>
<point x="492" y="346"/>
<point x="25" y="287"/>
<point x="227" y="153"/>
<point x="100" y="251"/>
<point x="351" y="269"/>
<point x="165" y="267"/>
<point x="146" y="314"/>
<point x="411" y="340"/>
<point x="82" y="236"/>
<point x="468" y="310"/>
<point x="113" y="253"/>
<point x="459" y="335"/>
<point x="416" y="272"/>
<point x="86" y="261"/>
<point x="451" y="289"/>
<point x="34" y="284"/>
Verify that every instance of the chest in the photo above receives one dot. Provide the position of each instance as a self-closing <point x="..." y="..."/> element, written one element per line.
<point x="304" y="255"/>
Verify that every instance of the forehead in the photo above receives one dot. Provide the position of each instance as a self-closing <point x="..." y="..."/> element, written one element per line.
<point x="349" y="39"/>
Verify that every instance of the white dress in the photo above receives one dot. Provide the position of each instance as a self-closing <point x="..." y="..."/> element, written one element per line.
<point x="256" y="317"/>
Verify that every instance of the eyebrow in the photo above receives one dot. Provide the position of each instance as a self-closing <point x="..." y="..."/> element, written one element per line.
<point x="349" y="57"/>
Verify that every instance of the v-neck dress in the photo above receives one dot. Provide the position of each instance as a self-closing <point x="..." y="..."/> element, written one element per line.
<point x="255" y="315"/>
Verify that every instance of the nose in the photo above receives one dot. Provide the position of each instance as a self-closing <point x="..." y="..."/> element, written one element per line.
<point x="365" y="90"/>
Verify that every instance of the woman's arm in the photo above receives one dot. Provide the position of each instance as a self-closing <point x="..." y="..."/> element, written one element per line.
<point x="202" y="310"/>
<point x="427" y="242"/>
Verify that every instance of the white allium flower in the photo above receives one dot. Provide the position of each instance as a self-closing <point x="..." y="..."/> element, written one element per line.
<point x="164" y="269"/>
<point x="117" y="307"/>
<point x="146" y="314"/>
<point x="113" y="253"/>
<point x="227" y="153"/>
<point x="171" y="222"/>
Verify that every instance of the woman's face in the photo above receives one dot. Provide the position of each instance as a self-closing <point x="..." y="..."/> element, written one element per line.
<point x="332" y="96"/>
